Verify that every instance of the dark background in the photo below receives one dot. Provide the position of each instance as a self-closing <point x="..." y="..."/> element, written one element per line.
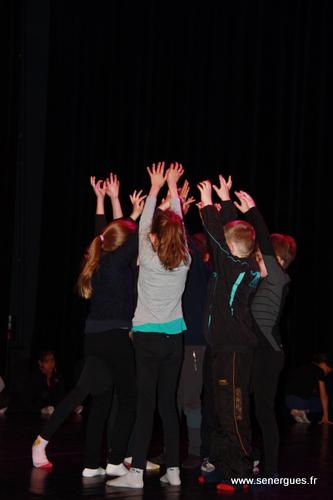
<point x="233" y="87"/>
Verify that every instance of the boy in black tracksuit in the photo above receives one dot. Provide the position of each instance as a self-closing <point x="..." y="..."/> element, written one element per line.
<point x="275" y="254"/>
<point x="229" y="332"/>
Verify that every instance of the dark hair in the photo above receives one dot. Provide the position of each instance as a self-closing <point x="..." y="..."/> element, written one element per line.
<point x="171" y="244"/>
<point x="284" y="247"/>
<point x="113" y="236"/>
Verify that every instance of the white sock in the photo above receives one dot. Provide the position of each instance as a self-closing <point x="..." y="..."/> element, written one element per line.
<point x="133" y="479"/>
<point x="39" y="457"/>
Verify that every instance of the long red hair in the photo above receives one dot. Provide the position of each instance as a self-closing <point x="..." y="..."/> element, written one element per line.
<point x="171" y="244"/>
<point x="113" y="236"/>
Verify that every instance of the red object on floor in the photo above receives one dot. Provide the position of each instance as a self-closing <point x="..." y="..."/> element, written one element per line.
<point x="47" y="466"/>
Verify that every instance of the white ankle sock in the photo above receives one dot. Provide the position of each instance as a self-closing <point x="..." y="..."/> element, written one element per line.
<point x="171" y="476"/>
<point x="39" y="457"/>
<point x="133" y="479"/>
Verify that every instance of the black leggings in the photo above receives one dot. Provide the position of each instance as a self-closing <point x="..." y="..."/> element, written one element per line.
<point x="158" y="360"/>
<point x="267" y="366"/>
<point x="109" y="363"/>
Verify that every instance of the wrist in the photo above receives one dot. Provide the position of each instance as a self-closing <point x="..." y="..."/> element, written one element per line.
<point x="154" y="190"/>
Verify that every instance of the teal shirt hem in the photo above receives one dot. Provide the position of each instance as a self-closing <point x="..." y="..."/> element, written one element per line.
<point x="171" y="327"/>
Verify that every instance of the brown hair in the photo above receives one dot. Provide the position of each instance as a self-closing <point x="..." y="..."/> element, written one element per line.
<point x="113" y="236"/>
<point x="242" y="234"/>
<point x="171" y="246"/>
<point x="284" y="247"/>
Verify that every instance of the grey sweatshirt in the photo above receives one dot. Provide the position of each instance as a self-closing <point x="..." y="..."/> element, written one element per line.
<point x="160" y="290"/>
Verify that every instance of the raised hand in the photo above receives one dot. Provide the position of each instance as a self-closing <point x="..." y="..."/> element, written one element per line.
<point x="223" y="191"/>
<point x="137" y="200"/>
<point x="187" y="203"/>
<point x="245" y="201"/>
<point x="174" y="173"/>
<point x="205" y="188"/>
<point x="99" y="187"/>
<point x="112" y="186"/>
<point x="157" y="175"/>
<point x="184" y="191"/>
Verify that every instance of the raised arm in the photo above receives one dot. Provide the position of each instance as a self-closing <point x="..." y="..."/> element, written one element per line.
<point x="174" y="173"/>
<point x="99" y="188"/>
<point x="210" y="216"/>
<point x="138" y="203"/>
<point x="112" y="190"/>
<point x="228" y="211"/>
<point x="157" y="179"/>
<point x="247" y="206"/>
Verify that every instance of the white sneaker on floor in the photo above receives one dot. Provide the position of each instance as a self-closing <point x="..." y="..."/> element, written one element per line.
<point x="207" y="466"/>
<point x="171" y="477"/>
<point x="93" y="472"/>
<point x="116" y="470"/>
<point x="133" y="479"/>
<point x="47" y="410"/>
<point x="300" y="416"/>
<point x="150" y="466"/>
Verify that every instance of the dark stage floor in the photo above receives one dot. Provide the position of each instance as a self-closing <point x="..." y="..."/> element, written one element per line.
<point x="306" y="451"/>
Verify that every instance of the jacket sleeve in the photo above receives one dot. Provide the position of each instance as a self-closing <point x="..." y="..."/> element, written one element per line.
<point x="228" y="212"/>
<point x="214" y="228"/>
<point x="274" y="270"/>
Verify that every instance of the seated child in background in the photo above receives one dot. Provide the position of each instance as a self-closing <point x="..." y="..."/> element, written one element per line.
<point x="307" y="392"/>
<point x="46" y="388"/>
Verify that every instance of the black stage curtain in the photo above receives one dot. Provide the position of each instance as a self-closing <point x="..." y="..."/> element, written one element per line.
<point x="238" y="88"/>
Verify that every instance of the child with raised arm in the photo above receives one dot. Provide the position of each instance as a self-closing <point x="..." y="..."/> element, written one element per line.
<point x="109" y="357"/>
<point x="275" y="254"/>
<point x="229" y="332"/>
<point x="157" y="325"/>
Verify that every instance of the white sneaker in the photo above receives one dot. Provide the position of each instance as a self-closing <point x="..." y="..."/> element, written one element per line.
<point x="133" y="479"/>
<point x="48" y="410"/>
<point x="300" y="416"/>
<point x="150" y="466"/>
<point x="3" y="410"/>
<point x="207" y="466"/>
<point x="116" y="470"/>
<point x="171" y="476"/>
<point x="93" y="472"/>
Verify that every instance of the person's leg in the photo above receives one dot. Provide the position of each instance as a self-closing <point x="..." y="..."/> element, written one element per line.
<point x="231" y="447"/>
<point x="208" y="419"/>
<point x="98" y="413"/>
<point x="124" y="373"/>
<point x="192" y="388"/>
<point x="167" y="390"/>
<point x="266" y="371"/>
<point x="62" y="411"/>
<point x="147" y="354"/>
<point x="147" y="348"/>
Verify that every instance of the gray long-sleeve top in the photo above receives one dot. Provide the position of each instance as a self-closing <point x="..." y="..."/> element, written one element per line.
<point x="160" y="290"/>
